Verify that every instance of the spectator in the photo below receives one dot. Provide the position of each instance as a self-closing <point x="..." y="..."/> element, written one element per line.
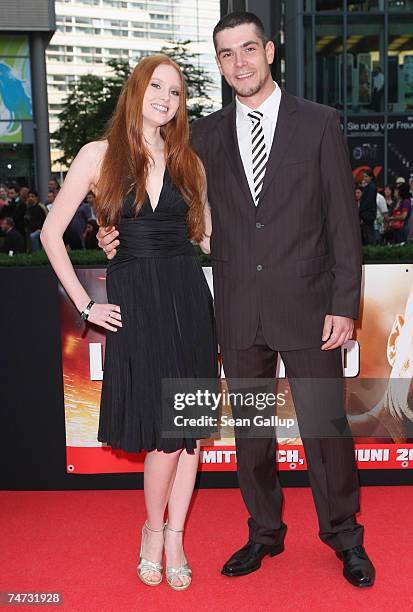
<point x="51" y="196"/>
<point x="34" y="219"/>
<point x="3" y="202"/>
<point x="358" y="194"/>
<point x="368" y="208"/>
<point x="89" y="237"/>
<point x="17" y="208"/>
<point x="382" y="213"/>
<point x="410" y="220"/>
<point x="399" y="219"/>
<point x="53" y="185"/>
<point x="12" y="239"/>
<point x="73" y="236"/>
<point x="389" y="197"/>
<point x="90" y="199"/>
<point x="3" y="195"/>
<point x="23" y="194"/>
<point x="378" y="89"/>
<point x="6" y="209"/>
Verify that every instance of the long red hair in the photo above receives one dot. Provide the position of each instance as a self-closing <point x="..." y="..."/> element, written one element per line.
<point x="125" y="165"/>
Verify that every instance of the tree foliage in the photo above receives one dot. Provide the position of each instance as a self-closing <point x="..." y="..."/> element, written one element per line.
<point x="92" y="99"/>
<point x="88" y="108"/>
<point x="198" y="81"/>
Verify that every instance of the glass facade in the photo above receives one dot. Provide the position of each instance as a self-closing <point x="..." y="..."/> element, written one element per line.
<point x="358" y="58"/>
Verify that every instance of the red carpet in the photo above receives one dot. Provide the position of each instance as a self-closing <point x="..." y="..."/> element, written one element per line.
<point x="85" y="544"/>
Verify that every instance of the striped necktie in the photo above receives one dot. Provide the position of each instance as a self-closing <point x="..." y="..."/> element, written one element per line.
<point x="259" y="153"/>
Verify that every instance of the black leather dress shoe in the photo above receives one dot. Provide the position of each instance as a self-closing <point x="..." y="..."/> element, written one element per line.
<point x="357" y="567"/>
<point x="249" y="557"/>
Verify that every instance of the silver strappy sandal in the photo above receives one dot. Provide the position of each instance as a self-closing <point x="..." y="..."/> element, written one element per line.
<point x="144" y="565"/>
<point x="178" y="572"/>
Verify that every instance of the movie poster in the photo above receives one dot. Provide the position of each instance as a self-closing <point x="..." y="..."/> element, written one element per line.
<point x="365" y="139"/>
<point x="15" y="87"/>
<point x="378" y="369"/>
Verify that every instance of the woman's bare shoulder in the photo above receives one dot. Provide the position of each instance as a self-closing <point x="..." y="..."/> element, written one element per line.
<point x="95" y="150"/>
<point x="93" y="153"/>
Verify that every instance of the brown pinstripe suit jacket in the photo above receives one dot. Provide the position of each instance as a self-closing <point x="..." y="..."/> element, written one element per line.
<point x="296" y="256"/>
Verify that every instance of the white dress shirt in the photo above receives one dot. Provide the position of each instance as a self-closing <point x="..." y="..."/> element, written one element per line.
<point x="269" y="108"/>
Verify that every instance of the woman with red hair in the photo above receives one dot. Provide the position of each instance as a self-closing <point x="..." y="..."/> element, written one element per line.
<point x="151" y="186"/>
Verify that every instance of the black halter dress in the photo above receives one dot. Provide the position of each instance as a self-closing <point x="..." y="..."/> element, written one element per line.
<point x="168" y="329"/>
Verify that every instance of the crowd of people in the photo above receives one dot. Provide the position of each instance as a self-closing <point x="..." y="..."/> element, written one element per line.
<point x="22" y="215"/>
<point x="385" y="216"/>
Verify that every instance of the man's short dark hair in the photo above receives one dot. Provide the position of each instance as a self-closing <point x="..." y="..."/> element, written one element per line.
<point x="369" y="173"/>
<point x="232" y="20"/>
<point x="14" y="186"/>
<point x="33" y="192"/>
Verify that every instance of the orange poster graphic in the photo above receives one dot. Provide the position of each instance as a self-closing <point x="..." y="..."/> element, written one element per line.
<point x="378" y="369"/>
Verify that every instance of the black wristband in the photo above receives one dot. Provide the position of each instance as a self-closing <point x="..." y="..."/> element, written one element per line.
<point x="85" y="312"/>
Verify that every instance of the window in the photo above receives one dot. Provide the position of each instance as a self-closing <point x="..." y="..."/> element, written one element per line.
<point x="167" y="26"/>
<point x="400" y="64"/>
<point x="329" y="5"/>
<point x="401" y="5"/>
<point x="365" y="5"/>
<point x="329" y="61"/>
<point x="365" y="64"/>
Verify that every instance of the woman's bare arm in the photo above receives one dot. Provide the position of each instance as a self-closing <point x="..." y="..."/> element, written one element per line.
<point x="82" y="176"/>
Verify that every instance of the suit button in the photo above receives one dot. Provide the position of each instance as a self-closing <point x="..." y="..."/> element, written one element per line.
<point x="259" y="267"/>
<point x="259" y="225"/>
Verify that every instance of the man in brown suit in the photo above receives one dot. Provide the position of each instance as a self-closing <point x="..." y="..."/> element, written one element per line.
<point x="286" y="256"/>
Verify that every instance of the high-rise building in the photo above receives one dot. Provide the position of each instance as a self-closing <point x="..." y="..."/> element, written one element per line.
<point x="90" y="32"/>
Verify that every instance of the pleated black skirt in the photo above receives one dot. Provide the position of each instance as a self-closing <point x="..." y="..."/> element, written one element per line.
<point x="168" y="332"/>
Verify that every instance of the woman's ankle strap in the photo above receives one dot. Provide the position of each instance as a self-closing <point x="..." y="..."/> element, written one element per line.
<point x="176" y="530"/>
<point x="150" y="528"/>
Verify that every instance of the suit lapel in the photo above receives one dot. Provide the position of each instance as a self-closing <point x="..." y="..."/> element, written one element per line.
<point x="283" y="137"/>
<point x="229" y="140"/>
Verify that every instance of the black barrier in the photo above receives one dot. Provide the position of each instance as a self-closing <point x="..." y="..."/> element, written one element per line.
<point x="32" y="424"/>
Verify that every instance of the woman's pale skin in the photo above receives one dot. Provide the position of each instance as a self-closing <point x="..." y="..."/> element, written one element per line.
<point x="169" y="478"/>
